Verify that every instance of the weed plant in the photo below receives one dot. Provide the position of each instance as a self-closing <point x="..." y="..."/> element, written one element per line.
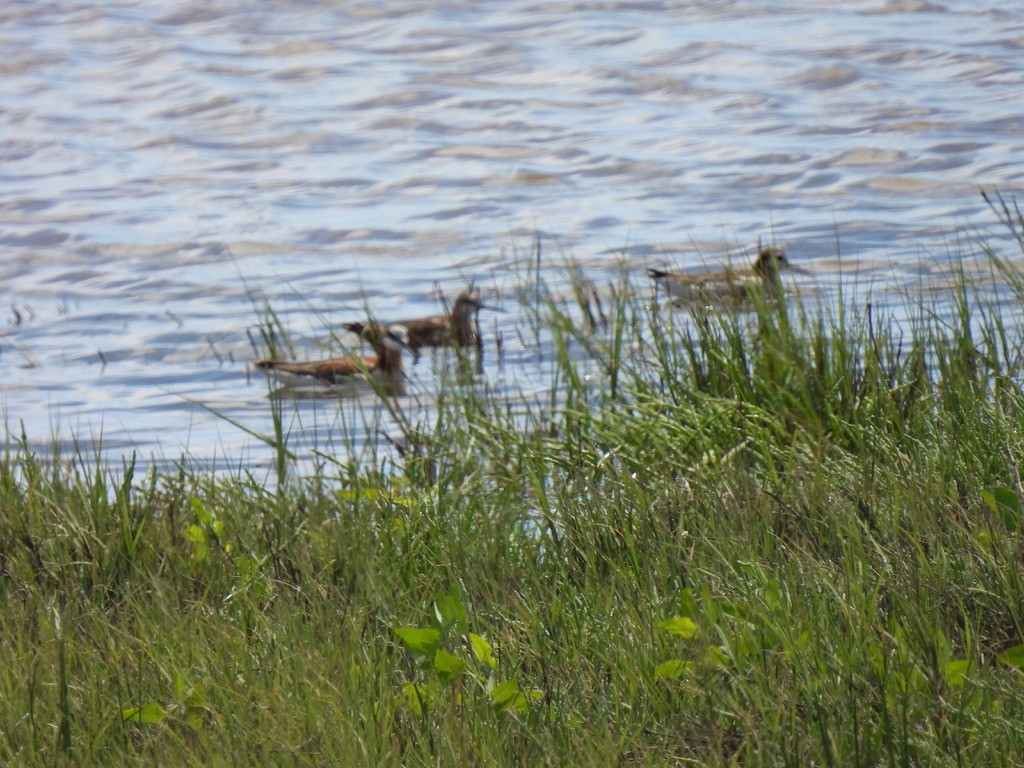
<point x="779" y="535"/>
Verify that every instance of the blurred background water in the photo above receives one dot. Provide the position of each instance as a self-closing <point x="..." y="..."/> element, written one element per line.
<point x="161" y="163"/>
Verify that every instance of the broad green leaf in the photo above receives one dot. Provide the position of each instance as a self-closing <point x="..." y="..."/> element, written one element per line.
<point x="417" y="696"/>
<point x="673" y="669"/>
<point x="504" y="693"/>
<point x="984" y="540"/>
<point x="517" y="702"/>
<point x="1013" y="656"/>
<point x="688" y="604"/>
<point x="450" y="612"/>
<point x="1007" y="505"/>
<point x="196" y="696"/>
<point x="956" y="672"/>
<point x="680" y="625"/>
<point x="1011" y="508"/>
<point x="773" y="594"/>
<point x="247" y="566"/>
<point x="717" y="656"/>
<point x="508" y="695"/>
<point x="989" y="499"/>
<point x="350" y="494"/>
<point x="522" y="701"/>
<point x="150" y="713"/>
<point x="482" y="650"/>
<point x="421" y="641"/>
<point x="179" y="686"/>
<point x="1007" y="498"/>
<point x="197" y="535"/>
<point x="202" y="513"/>
<point x="447" y="665"/>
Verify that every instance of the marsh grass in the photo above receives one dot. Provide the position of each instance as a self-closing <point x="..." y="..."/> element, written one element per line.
<point x="784" y="535"/>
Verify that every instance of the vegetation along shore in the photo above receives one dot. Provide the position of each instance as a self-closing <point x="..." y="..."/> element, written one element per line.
<point x="787" y="535"/>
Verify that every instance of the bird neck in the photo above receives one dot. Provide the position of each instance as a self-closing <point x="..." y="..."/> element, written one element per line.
<point x="389" y="360"/>
<point x="768" y="269"/>
<point x="462" y="323"/>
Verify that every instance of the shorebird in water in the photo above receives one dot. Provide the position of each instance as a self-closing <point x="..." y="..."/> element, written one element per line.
<point x="762" y="276"/>
<point x="386" y="365"/>
<point x="459" y="327"/>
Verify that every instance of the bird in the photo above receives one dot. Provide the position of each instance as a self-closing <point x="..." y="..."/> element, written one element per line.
<point x="763" y="276"/>
<point x="386" y="365"/>
<point x="459" y="327"/>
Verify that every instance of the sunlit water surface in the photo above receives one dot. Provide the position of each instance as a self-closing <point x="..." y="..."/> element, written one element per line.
<point x="164" y="163"/>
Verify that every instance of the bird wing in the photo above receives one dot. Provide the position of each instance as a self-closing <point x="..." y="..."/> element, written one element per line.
<point x="328" y="370"/>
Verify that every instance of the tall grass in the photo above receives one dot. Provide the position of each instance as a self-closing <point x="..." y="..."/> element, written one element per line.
<point x="786" y="535"/>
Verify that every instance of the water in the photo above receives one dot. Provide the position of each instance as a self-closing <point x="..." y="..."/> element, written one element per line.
<point x="162" y="162"/>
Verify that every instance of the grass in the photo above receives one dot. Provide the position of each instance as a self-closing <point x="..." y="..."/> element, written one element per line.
<point x="788" y="536"/>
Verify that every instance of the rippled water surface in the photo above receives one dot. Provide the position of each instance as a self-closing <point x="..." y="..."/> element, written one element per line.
<point x="163" y="162"/>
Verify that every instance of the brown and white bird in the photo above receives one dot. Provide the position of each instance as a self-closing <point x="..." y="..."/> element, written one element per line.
<point x="386" y="365"/>
<point x="459" y="327"/>
<point x="762" y="276"/>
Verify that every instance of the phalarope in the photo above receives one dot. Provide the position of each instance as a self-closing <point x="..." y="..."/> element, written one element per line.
<point x="387" y="364"/>
<point x="459" y="327"/>
<point x="763" y="275"/>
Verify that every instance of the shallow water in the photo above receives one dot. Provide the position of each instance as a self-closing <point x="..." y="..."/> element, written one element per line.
<point x="163" y="163"/>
